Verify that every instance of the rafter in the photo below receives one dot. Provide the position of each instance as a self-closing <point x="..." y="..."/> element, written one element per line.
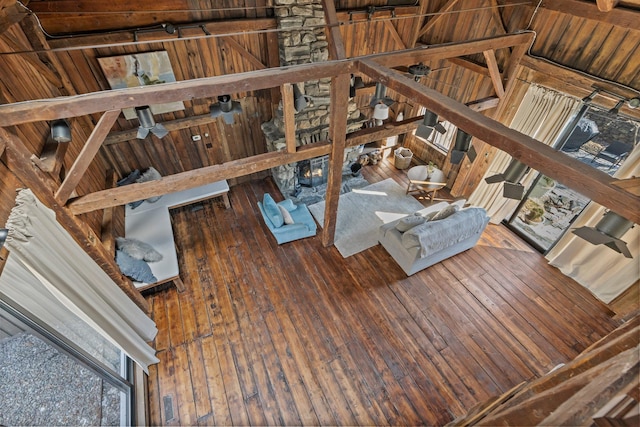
<point x="624" y="18"/>
<point x="494" y="72"/>
<point x="91" y="103"/>
<point x="448" y="6"/>
<point x="88" y="152"/>
<point x="248" y="56"/>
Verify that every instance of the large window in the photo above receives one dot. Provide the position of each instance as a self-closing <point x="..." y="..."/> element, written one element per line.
<point x="602" y="140"/>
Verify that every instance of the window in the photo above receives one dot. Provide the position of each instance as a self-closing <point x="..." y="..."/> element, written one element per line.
<point x="440" y="141"/>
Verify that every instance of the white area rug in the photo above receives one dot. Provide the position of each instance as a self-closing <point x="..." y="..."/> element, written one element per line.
<point x="362" y="211"/>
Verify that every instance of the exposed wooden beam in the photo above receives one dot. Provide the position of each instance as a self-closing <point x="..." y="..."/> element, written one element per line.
<point x="393" y="33"/>
<point x="11" y="13"/>
<point x="337" y="125"/>
<point x="588" y="181"/>
<point x="625" y="18"/>
<point x="606" y="5"/>
<point x="96" y="102"/>
<point x="449" y="50"/>
<point x="84" y="159"/>
<point x="19" y="162"/>
<point x="194" y="178"/>
<point x="494" y="72"/>
<point x="91" y="103"/>
<point x="248" y="56"/>
<point x="337" y="131"/>
<point x="107" y="233"/>
<point x="288" y="112"/>
<point x="448" y="6"/>
<point x="470" y="65"/>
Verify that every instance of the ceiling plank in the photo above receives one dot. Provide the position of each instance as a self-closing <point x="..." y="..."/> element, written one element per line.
<point x="494" y="72"/>
<point x="194" y="178"/>
<point x="19" y="162"/>
<point x="84" y="159"/>
<point x="625" y="18"/>
<point x="172" y="125"/>
<point x="583" y="178"/>
<point x="288" y="112"/>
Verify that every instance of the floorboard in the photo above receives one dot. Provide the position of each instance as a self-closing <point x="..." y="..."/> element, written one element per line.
<point x="294" y="334"/>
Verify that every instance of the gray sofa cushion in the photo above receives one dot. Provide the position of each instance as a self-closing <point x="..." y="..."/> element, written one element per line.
<point x="408" y="222"/>
<point x="433" y="236"/>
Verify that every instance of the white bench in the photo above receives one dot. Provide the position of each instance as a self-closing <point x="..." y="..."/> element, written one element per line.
<point x="151" y="223"/>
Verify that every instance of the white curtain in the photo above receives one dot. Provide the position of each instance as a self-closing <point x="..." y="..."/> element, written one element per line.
<point x="542" y="115"/>
<point x="41" y="246"/>
<point x="600" y="269"/>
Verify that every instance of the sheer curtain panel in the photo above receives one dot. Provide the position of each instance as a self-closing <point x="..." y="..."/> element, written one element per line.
<point x="41" y="246"/>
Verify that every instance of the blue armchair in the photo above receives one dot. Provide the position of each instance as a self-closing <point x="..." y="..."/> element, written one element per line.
<point x="286" y="220"/>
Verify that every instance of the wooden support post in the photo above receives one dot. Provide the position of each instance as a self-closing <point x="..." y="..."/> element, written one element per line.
<point x="288" y="112"/>
<point x="494" y="72"/>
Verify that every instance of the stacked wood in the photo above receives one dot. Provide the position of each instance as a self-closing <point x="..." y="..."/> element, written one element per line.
<point x="599" y="387"/>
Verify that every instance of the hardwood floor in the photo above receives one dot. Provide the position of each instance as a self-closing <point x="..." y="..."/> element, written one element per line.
<point x="297" y="335"/>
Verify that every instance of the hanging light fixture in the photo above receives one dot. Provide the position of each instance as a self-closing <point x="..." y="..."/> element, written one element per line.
<point x="356" y="83"/>
<point x="511" y="177"/>
<point x="615" y="110"/>
<point x="634" y="102"/>
<point x="587" y="99"/>
<point x="225" y="107"/>
<point x="60" y="131"/>
<point x="299" y="99"/>
<point x="608" y="231"/>
<point x="148" y="124"/>
<point x="380" y="113"/>
<point x="380" y="95"/>
<point x="461" y="147"/>
<point x="429" y="123"/>
<point x="3" y="236"/>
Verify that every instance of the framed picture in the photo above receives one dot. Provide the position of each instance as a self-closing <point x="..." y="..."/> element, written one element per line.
<point x="140" y="69"/>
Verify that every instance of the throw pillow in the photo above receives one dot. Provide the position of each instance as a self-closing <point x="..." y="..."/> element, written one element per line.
<point x="288" y="219"/>
<point x="137" y="249"/>
<point x="448" y="211"/>
<point x="150" y="174"/>
<point x="408" y="222"/>
<point x="129" y="179"/>
<point x="430" y="215"/>
<point x="136" y="269"/>
<point x="271" y="209"/>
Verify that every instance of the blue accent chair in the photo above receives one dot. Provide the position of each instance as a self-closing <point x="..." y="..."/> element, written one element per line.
<point x="303" y="223"/>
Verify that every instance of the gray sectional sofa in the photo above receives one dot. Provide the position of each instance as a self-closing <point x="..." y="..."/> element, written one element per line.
<point x="432" y="241"/>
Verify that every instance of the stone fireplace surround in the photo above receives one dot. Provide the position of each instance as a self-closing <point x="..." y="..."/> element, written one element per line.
<point x="302" y="39"/>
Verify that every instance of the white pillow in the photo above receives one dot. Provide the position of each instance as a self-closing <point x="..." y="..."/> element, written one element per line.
<point x="446" y="212"/>
<point x="288" y="219"/>
<point x="137" y="249"/>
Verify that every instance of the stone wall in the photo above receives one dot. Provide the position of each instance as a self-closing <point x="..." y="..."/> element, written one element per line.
<point x="303" y="40"/>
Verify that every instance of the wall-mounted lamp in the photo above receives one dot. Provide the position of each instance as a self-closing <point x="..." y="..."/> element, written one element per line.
<point x="60" y="131"/>
<point x="3" y="236"/>
<point x="225" y="107"/>
<point x="461" y="147"/>
<point x="148" y="124"/>
<point x="380" y="113"/>
<point x="608" y="231"/>
<point x="587" y="99"/>
<point x="380" y="95"/>
<point x="511" y="177"/>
